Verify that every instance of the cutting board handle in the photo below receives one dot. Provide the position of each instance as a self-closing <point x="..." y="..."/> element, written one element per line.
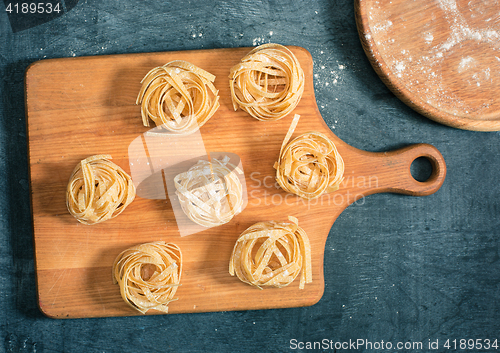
<point x="406" y="183"/>
<point x="391" y="171"/>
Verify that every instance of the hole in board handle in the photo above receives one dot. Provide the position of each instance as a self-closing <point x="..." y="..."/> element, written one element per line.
<point x="421" y="169"/>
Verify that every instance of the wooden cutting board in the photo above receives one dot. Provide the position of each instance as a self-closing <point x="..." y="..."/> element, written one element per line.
<point x="78" y="107"/>
<point x="441" y="57"/>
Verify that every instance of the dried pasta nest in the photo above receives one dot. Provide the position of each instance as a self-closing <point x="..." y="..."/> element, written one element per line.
<point x="178" y="96"/>
<point x="309" y="165"/>
<point x="272" y="254"/>
<point x="148" y="275"/>
<point x="268" y="82"/>
<point x="98" y="190"/>
<point x="210" y="194"/>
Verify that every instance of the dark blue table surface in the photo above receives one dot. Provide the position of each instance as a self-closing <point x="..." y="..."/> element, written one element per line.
<point x="397" y="268"/>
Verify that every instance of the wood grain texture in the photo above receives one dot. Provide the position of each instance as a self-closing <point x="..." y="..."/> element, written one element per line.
<point x="439" y="57"/>
<point x="78" y="107"/>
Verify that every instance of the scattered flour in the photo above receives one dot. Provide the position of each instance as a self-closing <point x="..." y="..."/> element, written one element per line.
<point x="448" y="5"/>
<point x="383" y="26"/>
<point x="487" y="73"/>
<point x="261" y="40"/>
<point x="466" y="63"/>
<point x="399" y="68"/>
<point x="257" y="41"/>
<point x="324" y="75"/>
<point x="460" y="30"/>
<point x="428" y="37"/>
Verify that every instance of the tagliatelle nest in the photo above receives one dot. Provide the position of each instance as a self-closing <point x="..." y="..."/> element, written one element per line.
<point x="309" y="165"/>
<point x="210" y="194"/>
<point x="149" y="275"/>
<point x="272" y="254"/>
<point x="268" y="82"/>
<point x="178" y="96"/>
<point x="98" y="190"/>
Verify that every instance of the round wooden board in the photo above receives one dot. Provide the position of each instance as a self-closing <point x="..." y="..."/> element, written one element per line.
<point x="441" y="57"/>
